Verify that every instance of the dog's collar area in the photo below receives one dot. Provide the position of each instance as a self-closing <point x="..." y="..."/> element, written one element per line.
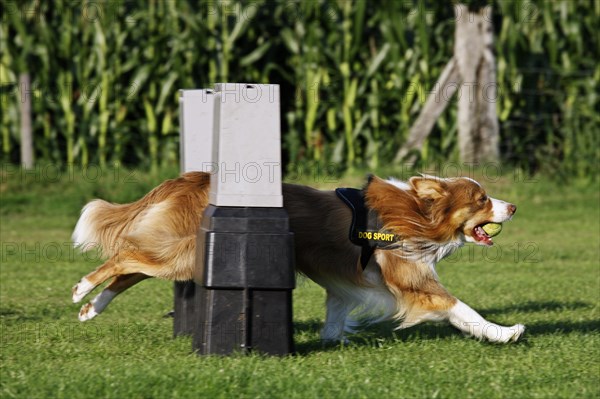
<point x="366" y="229"/>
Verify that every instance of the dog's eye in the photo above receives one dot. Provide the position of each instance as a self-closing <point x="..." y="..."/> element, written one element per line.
<point x="483" y="199"/>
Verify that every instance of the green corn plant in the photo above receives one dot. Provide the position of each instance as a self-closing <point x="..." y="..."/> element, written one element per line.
<point x="313" y="80"/>
<point x="211" y="47"/>
<point x="350" y="84"/>
<point x="354" y="75"/>
<point x="151" y="126"/>
<point x="103" y="106"/>
<point x="6" y="76"/>
<point x="66" y="80"/>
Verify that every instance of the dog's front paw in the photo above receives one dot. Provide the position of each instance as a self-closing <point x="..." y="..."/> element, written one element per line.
<point x="81" y="289"/>
<point x="519" y="329"/>
<point x="504" y="335"/>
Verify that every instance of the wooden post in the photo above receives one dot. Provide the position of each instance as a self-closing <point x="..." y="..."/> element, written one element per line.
<point x="26" y="132"/>
<point x="477" y="121"/>
<point x="471" y="72"/>
<point x="446" y="86"/>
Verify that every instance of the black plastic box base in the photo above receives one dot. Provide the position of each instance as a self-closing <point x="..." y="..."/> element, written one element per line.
<point x="244" y="280"/>
<point x="243" y="320"/>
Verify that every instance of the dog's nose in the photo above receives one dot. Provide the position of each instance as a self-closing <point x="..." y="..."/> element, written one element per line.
<point x="512" y="209"/>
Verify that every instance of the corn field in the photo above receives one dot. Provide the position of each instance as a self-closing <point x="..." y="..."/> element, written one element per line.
<point x="353" y="76"/>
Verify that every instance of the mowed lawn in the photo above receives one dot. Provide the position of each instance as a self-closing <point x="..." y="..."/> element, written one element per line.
<point x="543" y="272"/>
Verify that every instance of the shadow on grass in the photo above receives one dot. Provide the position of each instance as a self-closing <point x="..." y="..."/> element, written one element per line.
<point x="376" y="335"/>
<point x="14" y="313"/>
<point x="383" y="333"/>
<point x="562" y="327"/>
<point x="547" y="328"/>
<point x="19" y="315"/>
<point x="533" y="306"/>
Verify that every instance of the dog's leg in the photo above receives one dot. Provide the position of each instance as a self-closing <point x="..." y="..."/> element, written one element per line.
<point x="335" y="319"/>
<point x="431" y="302"/>
<point x="95" y="278"/>
<point x="425" y="299"/>
<point x="438" y="305"/>
<point x="126" y="263"/>
<point x="101" y="301"/>
<point x="469" y="321"/>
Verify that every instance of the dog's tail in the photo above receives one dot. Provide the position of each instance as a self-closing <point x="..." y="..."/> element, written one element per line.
<point x="101" y="225"/>
<point x="158" y="225"/>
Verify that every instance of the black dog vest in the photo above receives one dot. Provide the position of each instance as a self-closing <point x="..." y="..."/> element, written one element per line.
<point x="366" y="229"/>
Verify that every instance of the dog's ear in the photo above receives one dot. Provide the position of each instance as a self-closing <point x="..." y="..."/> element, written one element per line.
<point x="428" y="187"/>
<point x="371" y="178"/>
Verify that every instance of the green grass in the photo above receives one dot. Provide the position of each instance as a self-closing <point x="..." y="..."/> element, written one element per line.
<point x="544" y="273"/>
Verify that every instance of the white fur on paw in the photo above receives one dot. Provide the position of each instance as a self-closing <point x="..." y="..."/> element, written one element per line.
<point x="519" y="329"/>
<point x="503" y="335"/>
<point x="87" y="312"/>
<point x="81" y="289"/>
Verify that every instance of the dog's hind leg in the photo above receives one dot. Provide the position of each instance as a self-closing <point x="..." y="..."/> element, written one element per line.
<point x="122" y="263"/>
<point x="93" y="279"/>
<point x="101" y="301"/>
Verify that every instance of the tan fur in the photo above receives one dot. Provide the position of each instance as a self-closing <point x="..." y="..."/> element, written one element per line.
<point x="434" y="214"/>
<point x="156" y="236"/>
<point x="414" y="286"/>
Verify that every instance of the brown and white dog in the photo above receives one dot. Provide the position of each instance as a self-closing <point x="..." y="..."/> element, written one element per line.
<point x="156" y="237"/>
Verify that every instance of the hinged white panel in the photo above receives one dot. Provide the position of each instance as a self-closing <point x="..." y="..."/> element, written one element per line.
<point x="196" y="109"/>
<point x="246" y="146"/>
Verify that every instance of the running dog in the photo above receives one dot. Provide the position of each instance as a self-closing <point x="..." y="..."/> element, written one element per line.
<point x="373" y="250"/>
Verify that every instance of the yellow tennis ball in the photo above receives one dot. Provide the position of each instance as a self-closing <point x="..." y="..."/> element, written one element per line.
<point x="492" y="229"/>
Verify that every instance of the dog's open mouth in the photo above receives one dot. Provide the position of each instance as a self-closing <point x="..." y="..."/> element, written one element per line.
<point x="481" y="236"/>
